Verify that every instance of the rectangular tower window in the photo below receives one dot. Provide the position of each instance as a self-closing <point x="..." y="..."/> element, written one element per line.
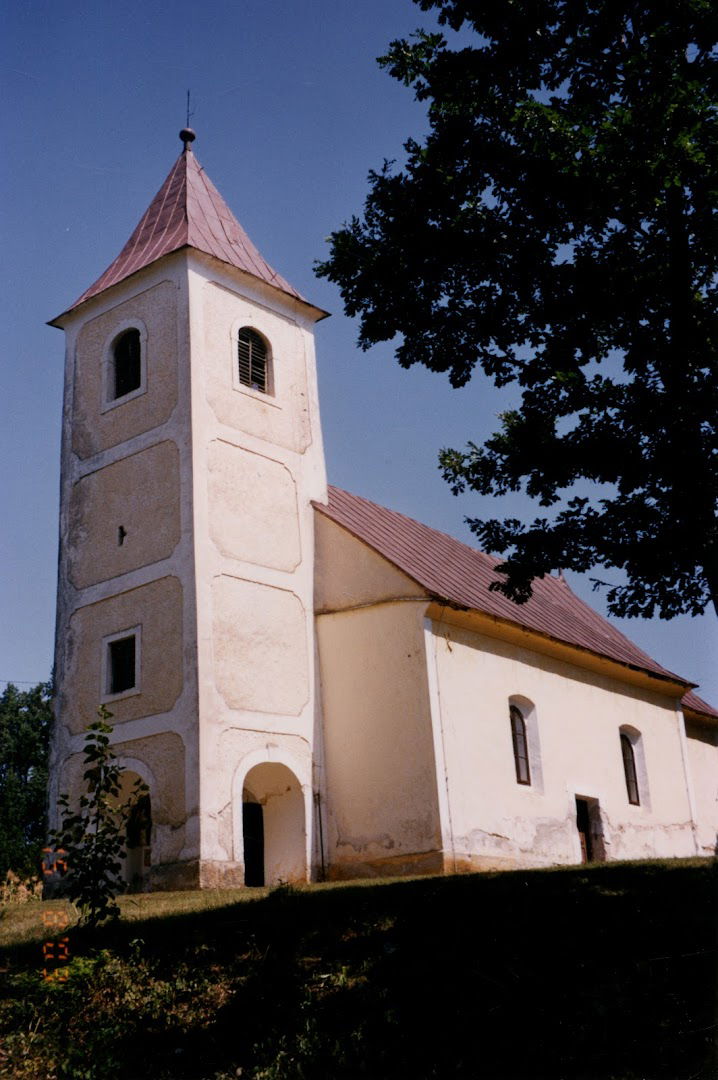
<point x="121" y="664"/>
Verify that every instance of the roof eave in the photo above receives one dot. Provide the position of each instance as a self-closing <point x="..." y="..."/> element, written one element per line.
<point x="675" y="682"/>
<point x="293" y="297"/>
<point x="59" y="320"/>
<point x="680" y="685"/>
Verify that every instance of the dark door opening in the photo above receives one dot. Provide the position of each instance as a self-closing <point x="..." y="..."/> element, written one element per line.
<point x="253" y="827"/>
<point x="590" y="830"/>
<point x="138" y="840"/>
<point x="583" y="824"/>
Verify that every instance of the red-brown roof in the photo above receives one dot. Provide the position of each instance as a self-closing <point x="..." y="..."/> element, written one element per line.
<point x="188" y="211"/>
<point x="460" y="575"/>
<point x="698" y="705"/>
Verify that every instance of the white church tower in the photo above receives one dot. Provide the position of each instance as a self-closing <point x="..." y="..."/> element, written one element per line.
<point x="191" y="453"/>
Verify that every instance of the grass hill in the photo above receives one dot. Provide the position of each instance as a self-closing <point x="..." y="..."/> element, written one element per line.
<point x="591" y="973"/>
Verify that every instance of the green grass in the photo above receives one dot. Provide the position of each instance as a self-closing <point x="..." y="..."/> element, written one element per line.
<point x="598" y="973"/>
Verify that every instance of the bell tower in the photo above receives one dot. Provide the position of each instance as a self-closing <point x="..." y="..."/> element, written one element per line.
<point x="191" y="454"/>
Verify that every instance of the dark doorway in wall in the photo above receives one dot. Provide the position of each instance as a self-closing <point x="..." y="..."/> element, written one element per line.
<point x="590" y="830"/>
<point x="253" y="827"/>
<point x="583" y="824"/>
<point x="138" y="839"/>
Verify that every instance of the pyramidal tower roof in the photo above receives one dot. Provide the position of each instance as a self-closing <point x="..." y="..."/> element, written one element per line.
<point x="188" y="211"/>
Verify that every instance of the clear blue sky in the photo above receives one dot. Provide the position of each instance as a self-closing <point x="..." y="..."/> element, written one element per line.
<point x="291" y="111"/>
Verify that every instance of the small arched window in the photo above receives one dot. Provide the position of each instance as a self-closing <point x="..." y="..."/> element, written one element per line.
<point x="629" y="769"/>
<point x="126" y="364"/>
<point x="252" y="354"/>
<point x="521" y="749"/>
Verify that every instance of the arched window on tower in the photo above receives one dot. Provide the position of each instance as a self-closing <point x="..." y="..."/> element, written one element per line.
<point x="521" y="747"/>
<point x="629" y="769"/>
<point x="253" y="359"/>
<point x="127" y="364"/>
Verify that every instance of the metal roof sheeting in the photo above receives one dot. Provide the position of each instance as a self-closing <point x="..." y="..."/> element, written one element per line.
<point x="188" y="211"/>
<point x="460" y="576"/>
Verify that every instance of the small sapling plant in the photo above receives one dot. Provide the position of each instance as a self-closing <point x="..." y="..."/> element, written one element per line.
<point x="94" y="835"/>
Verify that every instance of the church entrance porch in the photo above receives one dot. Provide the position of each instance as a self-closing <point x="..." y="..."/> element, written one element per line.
<point x="273" y="826"/>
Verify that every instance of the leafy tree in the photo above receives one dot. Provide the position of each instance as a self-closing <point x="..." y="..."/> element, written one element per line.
<point x="25" y="723"/>
<point x="94" y="835"/>
<point x="558" y="228"/>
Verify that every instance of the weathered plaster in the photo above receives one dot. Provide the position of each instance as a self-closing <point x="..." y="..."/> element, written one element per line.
<point x="380" y="771"/>
<point x="160" y="761"/>
<point x="140" y="494"/>
<point x="578" y="716"/>
<point x="260" y="647"/>
<point x="350" y="574"/>
<point x="282" y="418"/>
<point x="94" y="428"/>
<point x="253" y="502"/>
<point x="158" y="608"/>
<point x="702" y="747"/>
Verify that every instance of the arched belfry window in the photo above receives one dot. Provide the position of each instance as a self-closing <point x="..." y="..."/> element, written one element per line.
<point x="126" y="364"/>
<point x="253" y="359"/>
<point x="629" y="769"/>
<point x="521" y="747"/>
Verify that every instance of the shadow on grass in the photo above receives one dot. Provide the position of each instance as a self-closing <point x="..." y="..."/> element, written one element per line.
<point x="603" y="973"/>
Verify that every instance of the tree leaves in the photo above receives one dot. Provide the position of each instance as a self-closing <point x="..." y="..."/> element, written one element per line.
<point x="25" y="723"/>
<point x="559" y="229"/>
<point x="94" y="835"/>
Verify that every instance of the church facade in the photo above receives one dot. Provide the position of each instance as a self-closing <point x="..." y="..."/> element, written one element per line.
<point x="313" y="686"/>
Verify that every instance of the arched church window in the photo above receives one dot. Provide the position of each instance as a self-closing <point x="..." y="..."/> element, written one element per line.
<point x="629" y="769"/>
<point x="521" y="748"/>
<point x="253" y="357"/>
<point x="126" y="363"/>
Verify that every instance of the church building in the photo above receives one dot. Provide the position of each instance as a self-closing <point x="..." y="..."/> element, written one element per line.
<point x="313" y="686"/>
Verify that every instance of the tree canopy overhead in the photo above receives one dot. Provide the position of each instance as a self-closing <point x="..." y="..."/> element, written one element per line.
<point x="558" y="228"/>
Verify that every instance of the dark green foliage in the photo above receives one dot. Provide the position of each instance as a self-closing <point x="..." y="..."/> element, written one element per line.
<point x="592" y="973"/>
<point x="558" y="228"/>
<point x="25" y="722"/>
<point x="94" y="836"/>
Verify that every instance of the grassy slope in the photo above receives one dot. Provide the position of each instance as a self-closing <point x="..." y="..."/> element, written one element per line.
<point x="602" y="973"/>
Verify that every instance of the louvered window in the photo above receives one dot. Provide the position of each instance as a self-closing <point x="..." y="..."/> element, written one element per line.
<point x="629" y="768"/>
<point x="252" y="356"/>
<point x="521" y="750"/>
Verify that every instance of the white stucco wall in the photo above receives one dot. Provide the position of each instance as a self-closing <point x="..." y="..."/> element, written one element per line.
<point x="381" y="789"/>
<point x="578" y="717"/>
<point x="212" y="483"/>
<point x="702" y="747"/>
<point x="257" y="465"/>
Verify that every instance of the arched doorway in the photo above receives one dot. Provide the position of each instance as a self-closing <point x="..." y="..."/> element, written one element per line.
<point x="273" y="827"/>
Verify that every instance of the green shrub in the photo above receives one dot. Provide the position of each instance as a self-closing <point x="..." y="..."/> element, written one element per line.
<point x="94" y="836"/>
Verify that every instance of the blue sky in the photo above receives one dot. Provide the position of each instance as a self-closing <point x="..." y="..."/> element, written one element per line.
<point x="291" y="112"/>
